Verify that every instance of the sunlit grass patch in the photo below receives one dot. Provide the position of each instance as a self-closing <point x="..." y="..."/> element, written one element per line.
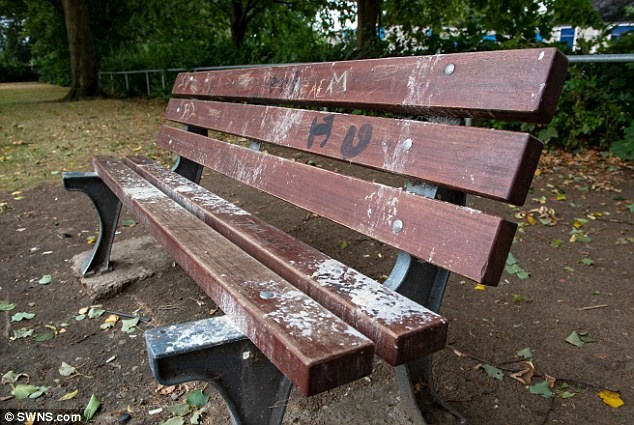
<point x="40" y="138"/>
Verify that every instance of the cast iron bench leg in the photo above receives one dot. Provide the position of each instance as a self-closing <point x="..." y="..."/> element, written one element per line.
<point x="187" y="168"/>
<point x="108" y="207"/>
<point x="425" y="284"/>
<point x="212" y="350"/>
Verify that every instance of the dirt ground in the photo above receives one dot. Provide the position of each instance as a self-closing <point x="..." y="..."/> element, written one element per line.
<point x="575" y="243"/>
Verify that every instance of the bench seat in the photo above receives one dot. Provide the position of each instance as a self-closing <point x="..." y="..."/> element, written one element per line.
<point x="299" y="336"/>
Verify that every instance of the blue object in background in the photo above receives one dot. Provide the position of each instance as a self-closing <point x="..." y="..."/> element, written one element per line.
<point x="568" y="36"/>
<point x="617" y="32"/>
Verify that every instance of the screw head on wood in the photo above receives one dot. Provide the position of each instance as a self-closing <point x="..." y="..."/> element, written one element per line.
<point x="267" y="295"/>
<point x="449" y="69"/>
<point x="397" y="226"/>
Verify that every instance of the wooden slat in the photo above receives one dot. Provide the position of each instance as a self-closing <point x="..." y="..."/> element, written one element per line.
<point x="490" y="163"/>
<point x="401" y="329"/>
<point x="456" y="238"/>
<point x="512" y="84"/>
<point x="312" y="347"/>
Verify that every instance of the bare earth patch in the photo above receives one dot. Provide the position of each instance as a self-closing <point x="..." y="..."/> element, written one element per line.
<point x="571" y="271"/>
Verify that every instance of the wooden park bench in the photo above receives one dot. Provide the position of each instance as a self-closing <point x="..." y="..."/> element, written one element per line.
<point x="295" y="316"/>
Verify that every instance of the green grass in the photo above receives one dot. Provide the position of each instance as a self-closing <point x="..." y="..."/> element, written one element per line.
<point x="41" y="137"/>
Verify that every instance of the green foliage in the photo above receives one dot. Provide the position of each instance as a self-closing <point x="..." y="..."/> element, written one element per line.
<point x="595" y="109"/>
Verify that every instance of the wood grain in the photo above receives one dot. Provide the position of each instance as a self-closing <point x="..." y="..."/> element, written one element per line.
<point x="491" y="163"/>
<point x="401" y="329"/>
<point x="459" y="239"/>
<point x="311" y="346"/>
<point x="514" y="84"/>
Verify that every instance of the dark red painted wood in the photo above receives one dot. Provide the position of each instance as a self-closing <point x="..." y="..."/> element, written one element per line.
<point x="456" y="238"/>
<point x="490" y="163"/>
<point x="401" y="329"/>
<point x="311" y="346"/>
<point x="512" y="84"/>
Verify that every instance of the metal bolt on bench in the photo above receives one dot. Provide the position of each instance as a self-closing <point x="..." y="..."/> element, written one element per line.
<point x="295" y="316"/>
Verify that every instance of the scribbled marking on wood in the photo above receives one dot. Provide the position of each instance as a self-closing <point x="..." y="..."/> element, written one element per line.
<point x="491" y="163"/>
<point x="514" y="84"/>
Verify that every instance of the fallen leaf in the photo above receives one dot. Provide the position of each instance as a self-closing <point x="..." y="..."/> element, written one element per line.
<point x="611" y="398"/>
<point x="197" y="398"/>
<point x="69" y="396"/>
<point x="6" y="307"/>
<point x="66" y="370"/>
<point x="91" y="408"/>
<point x="91" y="240"/>
<point x="574" y="339"/>
<point x="18" y="317"/>
<point x="480" y="287"/>
<point x="129" y="325"/>
<point x="525" y="353"/>
<point x="45" y="280"/>
<point x="493" y="371"/>
<point x="21" y="333"/>
<point x="196" y="415"/>
<point x="11" y="377"/>
<point x="178" y="420"/>
<point x="40" y="392"/>
<point x="525" y="376"/>
<point x="585" y="337"/>
<point x="22" y="391"/>
<point x="587" y="261"/>
<point x="95" y="313"/>
<point x="517" y="299"/>
<point x="165" y="390"/>
<point x="541" y="388"/>
<point x="180" y="409"/>
<point x="44" y="337"/>
<point x="83" y="310"/>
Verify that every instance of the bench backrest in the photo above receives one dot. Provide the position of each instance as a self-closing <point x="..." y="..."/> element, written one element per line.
<point x="521" y="85"/>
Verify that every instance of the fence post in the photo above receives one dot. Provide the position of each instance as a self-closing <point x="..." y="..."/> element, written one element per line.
<point x="127" y="85"/>
<point x="147" y="82"/>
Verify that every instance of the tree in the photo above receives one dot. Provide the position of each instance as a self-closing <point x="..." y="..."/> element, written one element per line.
<point x="83" y="63"/>
<point x="368" y="21"/>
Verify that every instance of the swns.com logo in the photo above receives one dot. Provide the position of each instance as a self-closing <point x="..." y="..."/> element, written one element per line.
<point x="41" y="417"/>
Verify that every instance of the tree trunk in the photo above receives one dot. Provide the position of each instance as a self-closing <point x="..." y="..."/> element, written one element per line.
<point x="239" y="23"/>
<point x="83" y="63"/>
<point x="368" y="12"/>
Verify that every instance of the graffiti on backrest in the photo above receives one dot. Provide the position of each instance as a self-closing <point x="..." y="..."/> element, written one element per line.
<point x="348" y="147"/>
<point x="337" y="83"/>
<point x="283" y="83"/>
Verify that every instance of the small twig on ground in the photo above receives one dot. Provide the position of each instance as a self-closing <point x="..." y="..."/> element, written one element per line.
<point x="592" y="307"/>
<point x="614" y="220"/>
<point x="129" y="316"/>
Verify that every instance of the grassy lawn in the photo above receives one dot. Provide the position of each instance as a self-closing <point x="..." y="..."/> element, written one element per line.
<point x="41" y="137"/>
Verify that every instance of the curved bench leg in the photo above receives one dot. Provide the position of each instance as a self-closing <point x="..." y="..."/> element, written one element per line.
<point x="187" y="168"/>
<point x="212" y="350"/>
<point x="108" y="207"/>
<point x="425" y="284"/>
